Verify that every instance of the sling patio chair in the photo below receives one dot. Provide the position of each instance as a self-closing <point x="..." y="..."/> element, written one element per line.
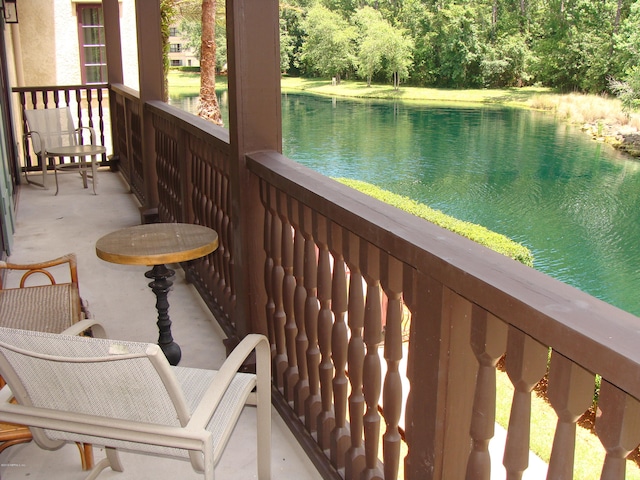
<point x="125" y="395"/>
<point x="54" y="135"/>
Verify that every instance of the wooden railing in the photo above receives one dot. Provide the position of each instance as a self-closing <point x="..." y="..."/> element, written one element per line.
<point x="87" y="102"/>
<point x="342" y="272"/>
<point x="192" y="164"/>
<point x="127" y="138"/>
<point x="346" y="275"/>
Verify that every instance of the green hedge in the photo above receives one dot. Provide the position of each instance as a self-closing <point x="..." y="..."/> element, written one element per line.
<point x="185" y="69"/>
<point x="477" y="233"/>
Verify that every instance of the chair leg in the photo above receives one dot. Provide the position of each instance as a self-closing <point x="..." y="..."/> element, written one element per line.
<point x="94" y="173"/>
<point x="112" y="460"/>
<point x="55" y="174"/>
<point x="86" y="455"/>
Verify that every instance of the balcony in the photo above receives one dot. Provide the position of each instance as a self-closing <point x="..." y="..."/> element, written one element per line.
<point x="49" y="226"/>
<point x="386" y="330"/>
<point x="380" y="323"/>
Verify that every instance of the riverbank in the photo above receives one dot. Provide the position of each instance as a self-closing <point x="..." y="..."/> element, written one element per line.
<point x="599" y="116"/>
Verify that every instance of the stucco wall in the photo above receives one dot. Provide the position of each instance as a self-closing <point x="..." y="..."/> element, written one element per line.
<point x="49" y="40"/>
<point x="38" y="41"/>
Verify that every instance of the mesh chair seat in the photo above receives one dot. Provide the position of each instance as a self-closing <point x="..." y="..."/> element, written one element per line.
<point x="47" y="308"/>
<point x="125" y="395"/>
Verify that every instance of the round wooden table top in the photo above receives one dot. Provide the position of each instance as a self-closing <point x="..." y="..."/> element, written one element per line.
<point x="157" y="244"/>
<point x="76" y="150"/>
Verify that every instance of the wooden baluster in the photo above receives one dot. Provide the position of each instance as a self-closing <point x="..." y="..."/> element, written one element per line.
<point x="280" y="359"/>
<point x="488" y="342"/>
<point x="618" y="427"/>
<point x="216" y="217"/>
<point x="526" y="364"/>
<point x="339" y="344"/>
<point x="570" y="392"/>
<point x="370" y="262"/>
<point x="312" y="404"/>
<point x="100" y="95"/>
<point x="288" y="294"/>
<point x="268" y="263"/>
<point x="355" y="460"/>
<point x="301" y="390"/>
<point x="89" y="99"/>
<point x="227" y="236"/>
<point x="391" y="280"/>
<point x="326" y="420"/>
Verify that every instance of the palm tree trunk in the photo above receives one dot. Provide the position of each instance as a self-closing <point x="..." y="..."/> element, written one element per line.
<point x="208" y="107"/>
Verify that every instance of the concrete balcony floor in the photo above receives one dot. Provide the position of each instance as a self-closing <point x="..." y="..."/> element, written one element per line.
<point x="49" y="226"/>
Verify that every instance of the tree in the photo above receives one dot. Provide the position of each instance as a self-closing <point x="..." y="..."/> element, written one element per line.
<point x="371" y="41"/>
<point x="398" y="55"/>
<point x="329" y="45"/>
<point x="628" y="91"/>
<point x="167" y="15"/>
<point x="208" y="107"/>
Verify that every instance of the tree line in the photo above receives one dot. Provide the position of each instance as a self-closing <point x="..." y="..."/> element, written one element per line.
<point x="589" y="46"/>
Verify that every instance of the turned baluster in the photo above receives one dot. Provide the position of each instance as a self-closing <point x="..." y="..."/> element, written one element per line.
<point x="301" y="390"/>
<point x="618" y="427"/>
<point x="339" y="442"/>
<point x="570" y="392"/>
<point x="526" y="364"/>
<point x="277" y="278"/>
<point x="355" y="461"/>
<point x="288" y="293"/>
<point x="326" y="421"/>
<point x="312" y="404"/>
<point x="391" y="280"/>
<point x="370" y="262"/>
<point x="268" y="264"/>
<point x="488" y="342"/>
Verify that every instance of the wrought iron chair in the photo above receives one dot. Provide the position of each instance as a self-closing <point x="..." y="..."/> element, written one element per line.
<point x="53" y="134"/>
<point x="125" y="395"/>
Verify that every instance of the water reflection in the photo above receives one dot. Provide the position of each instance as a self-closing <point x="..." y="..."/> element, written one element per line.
<point x="573" y="201"/>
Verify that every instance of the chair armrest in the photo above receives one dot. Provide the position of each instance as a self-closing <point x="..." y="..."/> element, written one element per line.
<point x="36" y="141"/>
<point x="223" y="377"/>
<point x="42" y="268"/>
<point x="97" y="329"/>
<point x="92" y="134"/>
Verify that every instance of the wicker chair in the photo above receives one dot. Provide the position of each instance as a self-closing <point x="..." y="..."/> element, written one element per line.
<point x="53" y="307"/>
<point x="125" y="395"/>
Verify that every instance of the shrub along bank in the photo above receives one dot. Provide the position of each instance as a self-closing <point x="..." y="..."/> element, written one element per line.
<point x="479" y="234"/>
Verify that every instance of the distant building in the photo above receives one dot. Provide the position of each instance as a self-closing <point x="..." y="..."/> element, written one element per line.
<point x="179" y="54"/>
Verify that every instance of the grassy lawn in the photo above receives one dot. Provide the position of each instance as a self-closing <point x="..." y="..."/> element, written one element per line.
<point x="509" y="96"/>
<point x="589" y="453"/>
<point x="572" y="108"/>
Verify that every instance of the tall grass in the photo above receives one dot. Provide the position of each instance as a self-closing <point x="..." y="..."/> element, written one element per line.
<point x="580" y="108"/>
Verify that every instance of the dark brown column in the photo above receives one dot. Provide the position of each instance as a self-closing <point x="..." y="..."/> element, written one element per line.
<point x="111" y="13"/>
<point x="150" y="73"/>
<point x="254" y="125"/>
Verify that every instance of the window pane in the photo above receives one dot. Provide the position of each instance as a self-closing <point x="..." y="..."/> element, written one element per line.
<point x="93" y="36"/>
<point x="94" y="55"/>
<point x="95" y="73"/>
<point x="91" y="16"/>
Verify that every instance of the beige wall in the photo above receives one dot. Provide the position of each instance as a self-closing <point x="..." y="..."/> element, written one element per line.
<point x="48" y="32"/>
